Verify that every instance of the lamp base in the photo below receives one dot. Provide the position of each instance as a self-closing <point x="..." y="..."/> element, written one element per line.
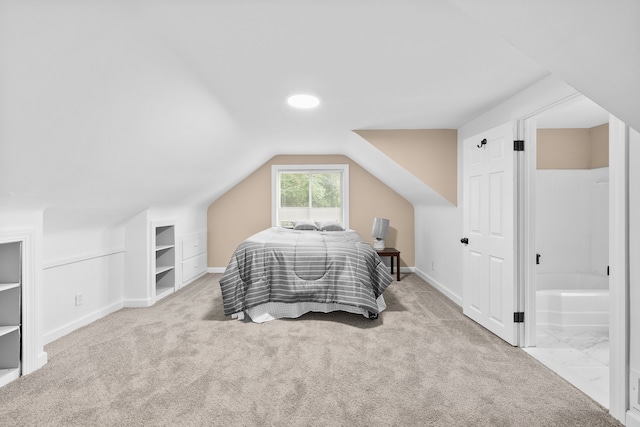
<point x="378" y="244"/>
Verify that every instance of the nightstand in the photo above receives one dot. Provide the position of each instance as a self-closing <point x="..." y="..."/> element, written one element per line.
<point x="391" y="253"/>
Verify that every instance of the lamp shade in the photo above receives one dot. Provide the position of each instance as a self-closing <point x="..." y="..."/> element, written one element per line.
<point x="380" y="228"/>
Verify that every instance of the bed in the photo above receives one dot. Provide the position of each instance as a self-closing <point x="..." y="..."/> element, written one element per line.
<point x="281" y="272"/>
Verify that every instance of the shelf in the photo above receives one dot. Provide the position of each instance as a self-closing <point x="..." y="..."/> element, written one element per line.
<point x="10" y="311"/>
<point x="7" y="286"/>
<point x="165" y="260"/>
<point x="4" y="330"/>
<point x="8" y="375"/>
<point x="163" y="269"/>
<point x="163" y="292"/>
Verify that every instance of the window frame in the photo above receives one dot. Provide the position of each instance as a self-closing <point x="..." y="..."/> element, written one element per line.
<point x="276" y="170"/>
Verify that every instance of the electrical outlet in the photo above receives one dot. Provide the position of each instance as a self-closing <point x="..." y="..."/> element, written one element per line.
<point x="433" y="266"/>
<point x="78" y="300"/>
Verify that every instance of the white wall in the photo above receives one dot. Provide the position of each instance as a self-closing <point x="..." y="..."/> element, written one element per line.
<point x="439" y="229"/>
<point x="438" y="248"/>
<point x="137" y="262"/>
<point x="189" y="219"/>
<point x="95" y="263"/>
<point x="572" y="220"/>
<point x="88" y="263"/>
<point x="61" y="246"/>
<point x="99" y="281"/>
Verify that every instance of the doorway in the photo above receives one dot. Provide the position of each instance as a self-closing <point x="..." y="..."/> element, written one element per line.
<point x="571" y="241"/>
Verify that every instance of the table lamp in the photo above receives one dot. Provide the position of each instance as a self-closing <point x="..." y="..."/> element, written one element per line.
<point x="379" y="231"/>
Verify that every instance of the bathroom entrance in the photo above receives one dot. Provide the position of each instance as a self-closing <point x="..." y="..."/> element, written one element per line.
<point x="572" y="246"/>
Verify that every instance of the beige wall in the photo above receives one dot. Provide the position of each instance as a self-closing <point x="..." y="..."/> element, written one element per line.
<point x="429" y="154"/>
<point x="573" y="148"/>
<point x="599" y="137"/>
<point x="246" y="209"/>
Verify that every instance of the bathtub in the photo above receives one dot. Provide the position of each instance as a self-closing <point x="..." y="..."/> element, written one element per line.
<point x="572" y="301"/>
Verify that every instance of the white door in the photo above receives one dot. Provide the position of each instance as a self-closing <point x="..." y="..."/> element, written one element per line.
<point x="489" y="288"/>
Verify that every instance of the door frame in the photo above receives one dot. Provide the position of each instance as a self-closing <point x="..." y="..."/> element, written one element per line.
<point x="618" y="248"/>
<point x="619" y="284"/>
<point x="526" y="228"/>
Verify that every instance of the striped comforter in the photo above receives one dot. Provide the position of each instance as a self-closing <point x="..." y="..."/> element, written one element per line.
<point x="292" y="266"/>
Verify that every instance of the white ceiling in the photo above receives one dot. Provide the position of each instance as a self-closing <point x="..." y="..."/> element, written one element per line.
<point x="109" y="107"/>
<point x="581" y="114"/>
<point x="593" y="45"/>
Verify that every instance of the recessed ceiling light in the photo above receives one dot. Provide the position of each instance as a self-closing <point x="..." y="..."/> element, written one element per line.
<point x="303" y="101"/>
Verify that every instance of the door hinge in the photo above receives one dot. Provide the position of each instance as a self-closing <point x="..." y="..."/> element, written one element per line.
<point x="518" y="317"/>
<point x="518" y="145"/>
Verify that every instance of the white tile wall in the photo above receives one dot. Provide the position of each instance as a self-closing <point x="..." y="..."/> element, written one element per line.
<point x="572" y="220"/>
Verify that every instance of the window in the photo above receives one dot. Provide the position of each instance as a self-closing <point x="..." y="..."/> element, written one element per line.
<point x="316" y="192"/>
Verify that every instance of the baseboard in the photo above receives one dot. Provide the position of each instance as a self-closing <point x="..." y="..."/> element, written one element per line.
<point x="193" y="279"/>
<point x="632" y="419"/>
<point x="41" y="360"/>
<point x="439" y="286"/>
<point x="12" y="375"/>
<point x="83" y="321"/>
<point x="138" y="303"/>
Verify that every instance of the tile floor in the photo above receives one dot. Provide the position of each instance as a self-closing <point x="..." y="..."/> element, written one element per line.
<point x="582" y="358"/>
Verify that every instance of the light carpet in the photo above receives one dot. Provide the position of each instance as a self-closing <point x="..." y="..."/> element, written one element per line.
<point x="181" y="362"/>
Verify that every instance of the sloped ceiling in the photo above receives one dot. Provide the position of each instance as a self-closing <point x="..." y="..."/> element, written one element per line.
<point x="109" y="107"/>
<point x="593" y="45"/>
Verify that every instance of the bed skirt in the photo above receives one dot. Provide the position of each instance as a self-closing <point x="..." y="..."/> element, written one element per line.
<point x="278" y="310"/>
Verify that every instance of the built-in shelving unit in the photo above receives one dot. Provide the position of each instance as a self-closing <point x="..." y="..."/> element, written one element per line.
<point x="164" y="260"/>
<point x="10" y="311"/>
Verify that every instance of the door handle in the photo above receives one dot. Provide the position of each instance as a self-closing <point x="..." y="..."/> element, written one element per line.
<point x="464" y="241"/>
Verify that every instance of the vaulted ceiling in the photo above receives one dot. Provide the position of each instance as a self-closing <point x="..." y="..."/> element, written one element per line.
<point x="109" y="107"/>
